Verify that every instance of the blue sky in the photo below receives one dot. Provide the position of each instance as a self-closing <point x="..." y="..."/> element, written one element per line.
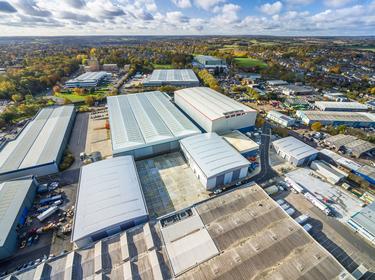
<point x="187" y="17"/>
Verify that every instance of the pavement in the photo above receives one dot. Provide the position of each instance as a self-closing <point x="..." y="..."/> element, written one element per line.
<point x="266" y="171"/>
<point x="345" y="245"/>
<point x="78" y="136"/>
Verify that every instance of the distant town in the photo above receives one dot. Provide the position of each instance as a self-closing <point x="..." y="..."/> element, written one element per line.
<point x="187" y="157"/>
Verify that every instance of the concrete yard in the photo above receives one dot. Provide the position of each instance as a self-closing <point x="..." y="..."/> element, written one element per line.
<point x="169" y="184"/>
<point x="344" y="204"/>
<point x="98" y="137"/>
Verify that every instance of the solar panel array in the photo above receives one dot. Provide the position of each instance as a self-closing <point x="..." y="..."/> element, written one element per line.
<point x="142" y="119"/>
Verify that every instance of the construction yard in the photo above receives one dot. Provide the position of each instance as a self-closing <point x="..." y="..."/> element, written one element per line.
<point x="169" y="184"/>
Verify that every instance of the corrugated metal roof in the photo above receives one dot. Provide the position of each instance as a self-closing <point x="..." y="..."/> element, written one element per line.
<point x="89" y="77"/>
<point x="40" y="142"/>
<point x="366" y="218"/>
<point x="211" y="103"/>
<point x="109" y="193"/>
<point x="145" y="119"/>
<point x="240" y="142"/>
<point x="279" y="115"/>
<point x="327" y="105"/>
<point x="294" y="147"/>
<point x="12" y="196"/>
<point x="335" y="116"/>
<point x="173" y="75"/>
<point x="213" y="154"/>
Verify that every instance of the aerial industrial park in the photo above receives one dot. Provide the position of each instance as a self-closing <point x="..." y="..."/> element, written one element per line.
<point x="195" y="168"/>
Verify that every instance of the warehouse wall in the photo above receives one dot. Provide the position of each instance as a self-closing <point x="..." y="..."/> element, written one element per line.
<point x="37" y="171"/>
<point x="11" y="242"/>
<point x="238" y="122"/>
<point x="105" y="232"/>
<point x="150" y="151"/>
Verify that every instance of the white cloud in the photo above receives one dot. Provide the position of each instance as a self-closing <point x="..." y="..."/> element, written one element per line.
<point x="271" y="9"/>
<point x="337" y="3"/>
<point x="299" y="2"/>
<point x="183" y="4"/>
<point x="227" y="14"/>
<point x="207" y="4"/>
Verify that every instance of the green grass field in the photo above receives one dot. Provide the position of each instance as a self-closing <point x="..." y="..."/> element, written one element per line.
<point x="162" y="66"/>
<point x="249" y="62"/>
<point x="74" y="97"/>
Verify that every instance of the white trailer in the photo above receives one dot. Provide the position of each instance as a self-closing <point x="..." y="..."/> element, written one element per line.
<point x="47" y="213"/>
<point x="318" y="203"/>
<point x="302" y="219"/>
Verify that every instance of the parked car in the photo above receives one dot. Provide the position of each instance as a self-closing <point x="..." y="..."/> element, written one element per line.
<point x="307" y="227"/>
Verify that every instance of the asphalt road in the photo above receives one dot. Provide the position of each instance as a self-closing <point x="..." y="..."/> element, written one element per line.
<point x="266" y="171"/>
<point x="78" y="136"/>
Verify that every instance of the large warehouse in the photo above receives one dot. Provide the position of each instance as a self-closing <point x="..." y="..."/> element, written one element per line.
<point x="146" y="124"/>
<point x="341" y="106"/>
<point x="213" y="111"/>
<point x="363" y="222"/>
<point x="173" y="77"/>
<point x="213" y="160"/>
<point x="16" y="198"/>
<point x="210" y="62"/>
<point x="88" y="79"/>
<point x="354" y="119"/>
<point x="38" y="149"/>
<point x="109" y="199"/>
<point x="295" y="151"/>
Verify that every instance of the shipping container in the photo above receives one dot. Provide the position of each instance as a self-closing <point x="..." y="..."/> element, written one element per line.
<point x="46" y="201"/>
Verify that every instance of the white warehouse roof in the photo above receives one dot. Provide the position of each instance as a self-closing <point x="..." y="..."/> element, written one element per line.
<point x="331" y="105"/>
<point x="144" y="119"/>
<point x="212" y="104"/>
<point x="40" y="141"/>
<point x="294" y="147"/>
<point x="161" y="76"/>
<point x="109" y="194"/>
<point x="213" y="154"/>
<point x="89" y="77"/>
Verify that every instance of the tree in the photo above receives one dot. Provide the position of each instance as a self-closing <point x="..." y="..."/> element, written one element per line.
<point x="67" y="101"/>
<point x="93" y="52"/>
<point x="335" y="69"/>
<point x="16" y="98"/>
<point x="259" y="122"/>
<point x="56" y="89"/>
<point x="89" y="100"/>
<point x="79" y="91"/>
<point x="316" y="126"/>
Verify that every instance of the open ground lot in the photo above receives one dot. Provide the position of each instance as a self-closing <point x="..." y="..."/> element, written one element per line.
<point x="346" y="246"/>
<point x="169" y="184"/>
<point x="98" y="137"/>
<point x="343" y="204"/>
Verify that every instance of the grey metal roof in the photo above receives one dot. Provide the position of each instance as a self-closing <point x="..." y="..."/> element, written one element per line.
<point x="109" y="193"/>
<point x="366" y="218"/>
<point x="89" y="77"/>
<point x="40" y="141"/>
<point x="173" y="75"/>
<point x="212" y="104"/>
<point x="12" y="196"/>
<point x="144" y="119"/>
<point x="213" y="154"/>
<point x="279" y="115"/>
<point x="336" y="116"/>
<point x="332" y="105"/>
<point x="294" y="147"/>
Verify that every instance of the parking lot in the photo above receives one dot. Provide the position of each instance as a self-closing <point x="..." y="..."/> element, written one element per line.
<point x="169" y="184"/>
<point x="343" y="204"/>
<point x="42" y="239"/>
<point x="337" y="238"/>
<point x="98" y="136"/>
